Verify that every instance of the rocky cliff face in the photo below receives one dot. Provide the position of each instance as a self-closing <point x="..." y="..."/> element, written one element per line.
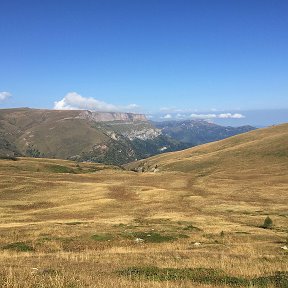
<point x="112" y="138"/>
<point x="111" y="116"/>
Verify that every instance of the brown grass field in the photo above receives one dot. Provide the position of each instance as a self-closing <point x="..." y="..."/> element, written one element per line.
<point x="196" y="222"/>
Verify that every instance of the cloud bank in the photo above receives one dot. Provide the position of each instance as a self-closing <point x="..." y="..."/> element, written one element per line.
<point x="167" y="116"/>
<point x="219" y="116"/>
<point x="74" y="101"/>
<point x="185" y="113"/>
<point x="4" y="95"/>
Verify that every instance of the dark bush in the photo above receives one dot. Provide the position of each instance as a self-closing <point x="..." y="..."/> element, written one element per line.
<point x="8" y="157"/>
<point x="18" y="246"/>
<point x="268" y="223"/>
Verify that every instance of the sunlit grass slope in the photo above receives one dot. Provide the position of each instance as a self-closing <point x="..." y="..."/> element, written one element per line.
<point x="195" y="222"/>
<point x="264" y="149"/>
<point x="252" y="167"/>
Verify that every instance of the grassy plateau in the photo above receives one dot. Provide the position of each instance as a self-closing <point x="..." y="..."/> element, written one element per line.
<point x="194" y="218"/>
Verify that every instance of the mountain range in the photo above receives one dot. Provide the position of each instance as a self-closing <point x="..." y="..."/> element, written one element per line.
<point x="257" y="152"/>
<point x="104" y="137"/>
<point x="194" y="218"/>
<point x="196" y="132"/>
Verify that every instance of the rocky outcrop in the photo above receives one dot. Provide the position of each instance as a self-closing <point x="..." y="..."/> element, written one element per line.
<point x="107" y="137"/>
<point x="111" y="116"/>
<point x="144" y="134"/>
<point x="112" y="138"/>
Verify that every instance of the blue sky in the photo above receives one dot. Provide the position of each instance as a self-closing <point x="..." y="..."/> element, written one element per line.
<point x="185" y="56"/>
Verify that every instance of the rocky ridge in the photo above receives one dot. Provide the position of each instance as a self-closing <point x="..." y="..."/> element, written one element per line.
<point x="82" y="135"/>
<point x="111" y="116"/>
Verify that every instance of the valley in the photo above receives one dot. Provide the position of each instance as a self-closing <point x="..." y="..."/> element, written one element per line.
<point x="196" y="132"/>
<point x="144" y="144"/>
<point x="103" y="137"/>
<point x="193" y="218"/>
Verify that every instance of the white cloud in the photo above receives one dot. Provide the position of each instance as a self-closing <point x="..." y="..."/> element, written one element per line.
<point x="203" y="116"/>
<point x="4" y="95"/>
<point x="221" y="116"/>
<point x="74" y="101"/>
<point x="171" y="110"/>
<point x="229" y="115"/>
<point x="132" y="106"/>
<point x="180" y="116"/>
<point x="167" y="116"/>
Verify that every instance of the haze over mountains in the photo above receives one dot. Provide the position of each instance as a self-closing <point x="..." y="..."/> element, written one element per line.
<point x="196" y="132"/>
<point x="106" y="137"/>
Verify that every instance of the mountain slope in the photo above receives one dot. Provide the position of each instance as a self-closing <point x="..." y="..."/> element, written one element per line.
<point x="82" y="224"/>
<point x="263" y="149"/>
<point x="112" y="138"/>
<point x="196" y="132"/>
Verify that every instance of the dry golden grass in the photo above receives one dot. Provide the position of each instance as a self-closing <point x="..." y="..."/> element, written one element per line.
<point x="79" y="228"/>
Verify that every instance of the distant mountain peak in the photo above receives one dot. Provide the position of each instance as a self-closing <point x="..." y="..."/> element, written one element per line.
<point x="108" y="137"/>
<point x="111" y="116"/>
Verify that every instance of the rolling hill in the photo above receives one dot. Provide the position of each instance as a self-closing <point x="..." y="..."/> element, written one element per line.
<point x="262" y="149"/>
<point x="112" y="138"/>
<point x="195" y="221"/>
<point x="106" y="137"/>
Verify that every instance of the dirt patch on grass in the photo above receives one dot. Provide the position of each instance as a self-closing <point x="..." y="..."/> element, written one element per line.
<point x="34" y="206"/>
<point x="122" y="193"/>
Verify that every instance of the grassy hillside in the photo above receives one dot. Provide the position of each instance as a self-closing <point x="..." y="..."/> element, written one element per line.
<point x="256" y="150"/>
<point x="76" y="135"/>
<point x="197" y="222"/>
<point x="48" y="133"/>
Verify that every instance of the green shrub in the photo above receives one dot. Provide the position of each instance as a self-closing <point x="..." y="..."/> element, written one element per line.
<point x="60" y="169"/>
<point x="208" y="276"/>
<point x="200" y="275"/>
<point x="102" y="237"/>
<point x="268" y="223"/>
<point x="33" y="152"/>
<point x="8" y="157"/>
<point x="153" y="237"/>
<point x="279" y="280"/>
<point x="18" y="246"/>
<point x="183" y="236"/>
<point x="191" y="228"/>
